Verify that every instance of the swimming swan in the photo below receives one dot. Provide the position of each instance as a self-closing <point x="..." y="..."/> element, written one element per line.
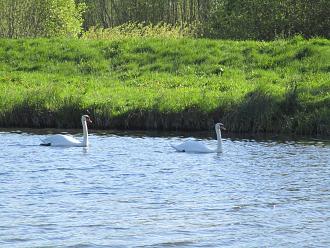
<point x="197" y="147"/>
<point x="66" y="140"/>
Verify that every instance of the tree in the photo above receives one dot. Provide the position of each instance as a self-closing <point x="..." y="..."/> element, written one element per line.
<point x="40" y="18"/>
<point x="269" y="19"/>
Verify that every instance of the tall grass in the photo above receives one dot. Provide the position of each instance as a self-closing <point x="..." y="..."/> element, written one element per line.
<point x="167" y="84"/>
<point x="138" y="30"/>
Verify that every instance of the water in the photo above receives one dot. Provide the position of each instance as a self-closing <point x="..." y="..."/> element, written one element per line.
<point x="135" y="191"/>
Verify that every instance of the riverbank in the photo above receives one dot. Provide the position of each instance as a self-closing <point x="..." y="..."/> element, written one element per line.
<point x="167" y="84"/>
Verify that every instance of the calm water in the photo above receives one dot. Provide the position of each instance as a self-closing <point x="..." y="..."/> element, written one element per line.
<point x="135" y="191"/>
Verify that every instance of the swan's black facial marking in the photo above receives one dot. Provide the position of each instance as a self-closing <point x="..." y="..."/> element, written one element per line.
<point x="221" y="126"/>
<point x="88" y="119"/>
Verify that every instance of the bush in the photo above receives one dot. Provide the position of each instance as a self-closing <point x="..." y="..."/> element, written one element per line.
<point x="40" y="18"/>
<point x="135" y="30"/>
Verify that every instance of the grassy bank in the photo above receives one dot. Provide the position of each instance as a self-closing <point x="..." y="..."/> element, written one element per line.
<point x="167" y="84"/>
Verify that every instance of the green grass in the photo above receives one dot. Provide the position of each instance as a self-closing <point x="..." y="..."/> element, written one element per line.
<point x="167" y="84"/>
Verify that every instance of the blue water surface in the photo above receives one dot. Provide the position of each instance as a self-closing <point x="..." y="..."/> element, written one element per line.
<point x="129" y="190"/>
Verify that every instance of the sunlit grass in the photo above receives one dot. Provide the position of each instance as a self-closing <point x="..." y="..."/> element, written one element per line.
<point x="279" y="86"/>
<point x="139" y="30"/>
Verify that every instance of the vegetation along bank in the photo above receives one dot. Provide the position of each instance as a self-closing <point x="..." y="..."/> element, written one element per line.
<point x="279" y="86"/>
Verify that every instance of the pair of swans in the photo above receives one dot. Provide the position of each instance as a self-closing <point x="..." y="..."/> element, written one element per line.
<point x="188" y="146"/>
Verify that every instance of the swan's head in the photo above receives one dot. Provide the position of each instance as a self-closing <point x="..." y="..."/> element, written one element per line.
<point x="86" y="118"/>
<point x="220" y="126"/>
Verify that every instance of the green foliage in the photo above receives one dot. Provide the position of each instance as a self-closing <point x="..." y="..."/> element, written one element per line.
<point x="112" y="13"/>
<point x="225" y="19"/>
<point x="138" y="30"/>
<point x="279" y="86"/>
<point x="269" y="19"/>
<point x="65" y="18"/>
<point x="40" y="18"/>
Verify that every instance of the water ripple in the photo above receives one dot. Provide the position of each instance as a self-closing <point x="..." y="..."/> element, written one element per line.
<point x="135" y="191"/>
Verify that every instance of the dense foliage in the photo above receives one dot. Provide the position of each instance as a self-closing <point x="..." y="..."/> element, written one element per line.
<point x="269" y="19"/>
<point x="280" y="86"/>
<point x="40" y="18"/>
<point x="225" y="19"/>
<point x="229" y="19"/>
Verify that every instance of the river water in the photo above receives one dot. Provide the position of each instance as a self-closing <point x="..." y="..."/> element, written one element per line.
<point x="134" y="190"/>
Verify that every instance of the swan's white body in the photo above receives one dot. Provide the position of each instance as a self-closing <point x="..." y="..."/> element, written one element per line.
<point x="198" y="147"/>
<point x="67" y="140"/>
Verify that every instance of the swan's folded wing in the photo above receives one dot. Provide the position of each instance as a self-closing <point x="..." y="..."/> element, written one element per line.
<point x="60" y="140"/>
<point x="192" y="146"/>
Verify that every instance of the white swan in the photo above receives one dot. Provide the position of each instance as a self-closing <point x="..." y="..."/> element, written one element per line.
<point x="197" y="147"/>
<point x="66" y="140"/>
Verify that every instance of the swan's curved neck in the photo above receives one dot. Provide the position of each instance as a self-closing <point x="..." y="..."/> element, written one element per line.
<point x="85" y="133"/>
<point x="219" y="139"/>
